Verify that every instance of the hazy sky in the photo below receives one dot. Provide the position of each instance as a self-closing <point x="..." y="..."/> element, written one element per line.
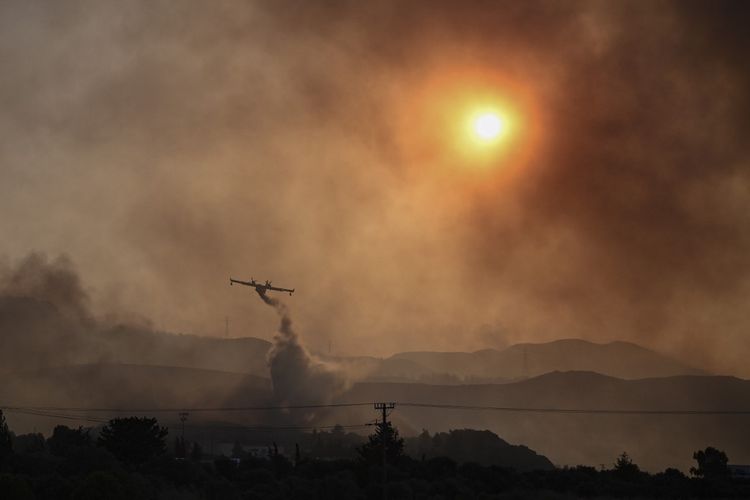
<point x="164" y="146"/>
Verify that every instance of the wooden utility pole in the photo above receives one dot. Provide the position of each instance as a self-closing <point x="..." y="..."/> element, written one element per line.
<point x="183" y="417"/>
<point x="384" y="407"/>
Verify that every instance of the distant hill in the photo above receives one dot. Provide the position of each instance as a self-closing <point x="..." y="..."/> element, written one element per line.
<point x="105" y="385"/>
<point x="239" y="355"/>
<point x="654" y="441"/>
<point x="617" y="359"/>
<point x="36" y="334"/>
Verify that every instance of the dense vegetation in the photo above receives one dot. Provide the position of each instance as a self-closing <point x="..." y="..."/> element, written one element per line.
<point x="130" y="459"/>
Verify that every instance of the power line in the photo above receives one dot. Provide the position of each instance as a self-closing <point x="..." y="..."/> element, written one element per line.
<point x="80" y="418"/>
<point x="595" y="411"/>
<point x="34" y="412"/>
<point x="279" y="428"/>
<point x="187" y="409"/>
<point x="511" y="409"/>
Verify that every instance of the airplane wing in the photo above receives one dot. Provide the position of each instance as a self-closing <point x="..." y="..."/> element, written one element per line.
<point x="240" y="282"/>
<point x="260" y="286"/>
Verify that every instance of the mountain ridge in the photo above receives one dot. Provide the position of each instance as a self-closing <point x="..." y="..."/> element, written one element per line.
<point x="621" y="359"/>
<point x="653" y="440"/>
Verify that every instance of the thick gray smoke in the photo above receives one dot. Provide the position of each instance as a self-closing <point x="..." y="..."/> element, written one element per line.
<point x="46" y="322"/>
<point x="298" y="378"/>
<point x="44" y="315"/>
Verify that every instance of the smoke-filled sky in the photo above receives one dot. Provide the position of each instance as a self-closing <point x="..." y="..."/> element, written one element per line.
<point x="164" y="146"/>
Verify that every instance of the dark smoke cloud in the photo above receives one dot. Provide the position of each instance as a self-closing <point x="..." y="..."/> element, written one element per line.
<point x="44" y="316"/>
<point x="298" y="378"/>
<point x="46" y="322"/>
<point x="277" y="138"/>
<point x="55" y="282"/>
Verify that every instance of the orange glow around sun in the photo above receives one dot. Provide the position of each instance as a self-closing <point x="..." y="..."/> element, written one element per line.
<point x="469" y="123"/>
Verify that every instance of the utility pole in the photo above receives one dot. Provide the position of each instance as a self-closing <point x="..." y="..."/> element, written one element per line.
<point x="384" y="407"/>
<point x="183" y="417"/>
<point x="182" y="449"/>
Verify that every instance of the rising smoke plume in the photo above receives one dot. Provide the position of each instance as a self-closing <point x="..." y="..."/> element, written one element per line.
<point x="299" y="378"/>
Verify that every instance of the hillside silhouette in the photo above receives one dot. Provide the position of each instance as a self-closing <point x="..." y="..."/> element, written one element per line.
<point x="566" y="439"/>
<point x="40" y="334"/>
<point x="618" y="359"/>
<point x="569" y="439"/>
<point x="57" y="355"/>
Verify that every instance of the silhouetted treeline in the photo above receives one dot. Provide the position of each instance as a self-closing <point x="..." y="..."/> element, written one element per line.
<point x="130" y="460"/>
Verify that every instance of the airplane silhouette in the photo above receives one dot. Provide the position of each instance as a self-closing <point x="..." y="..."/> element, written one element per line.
<point x="260" y="287"/>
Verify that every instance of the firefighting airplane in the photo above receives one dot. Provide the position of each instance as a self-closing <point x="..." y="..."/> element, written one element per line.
<point x="260" y="287"/>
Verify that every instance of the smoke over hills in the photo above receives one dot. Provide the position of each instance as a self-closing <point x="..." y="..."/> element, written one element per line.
<point x="46" y="321"/>
<point x="63" y="355"/>
<point x="44" y="315"/>
<point x="299" y="378"/>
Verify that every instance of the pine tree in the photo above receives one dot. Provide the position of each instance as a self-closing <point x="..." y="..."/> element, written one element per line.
<point x="133" y="440"/>
<point x="372" y="451"/>
<point x="625" y="468"/>
<point x="6" y="442"/>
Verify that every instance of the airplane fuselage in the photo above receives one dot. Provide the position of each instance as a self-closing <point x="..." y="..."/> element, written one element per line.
<point x="261" y="287"/>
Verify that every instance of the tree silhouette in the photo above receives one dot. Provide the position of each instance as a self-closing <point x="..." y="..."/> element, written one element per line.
<point x="99" y="485"/>
<point x="133" y="440"/>
<point x="712" y="464"/>
<point x="6" y="441"/>
<point x="372" y="451"/>
<point x="28" y="443"/>
<point x="65" y="441"/>
<point x="15" y="488"/>
<point x="625" y="468"/>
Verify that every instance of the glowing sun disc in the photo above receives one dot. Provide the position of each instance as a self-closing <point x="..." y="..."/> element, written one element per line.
<point x="488" y="126"/>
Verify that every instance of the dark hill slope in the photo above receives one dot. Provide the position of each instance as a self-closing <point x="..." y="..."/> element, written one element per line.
<point x="130" y="385"/>
<point x="654" y="441"/>
<point x="617" y="359"/>
<point x="239" y="355"/>
<point x="35" y="334"/>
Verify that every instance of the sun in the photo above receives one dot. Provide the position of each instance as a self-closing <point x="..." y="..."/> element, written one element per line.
<point x="488" y="126"/>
